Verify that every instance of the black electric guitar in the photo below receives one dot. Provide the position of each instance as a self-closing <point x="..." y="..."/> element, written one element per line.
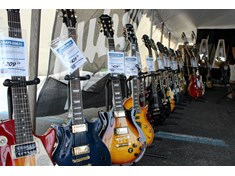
<point x="79" y="143"/>
<point x="157" y="113"/>
<point x="121" y="134"/>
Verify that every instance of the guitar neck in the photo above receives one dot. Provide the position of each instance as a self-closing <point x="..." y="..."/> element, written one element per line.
<point x="21" y="112"/>
<point x="116" y="84"/>
<point x="75" y="89"/>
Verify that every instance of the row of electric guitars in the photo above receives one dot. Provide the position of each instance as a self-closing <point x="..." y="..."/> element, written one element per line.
<point x="119" y="136"/>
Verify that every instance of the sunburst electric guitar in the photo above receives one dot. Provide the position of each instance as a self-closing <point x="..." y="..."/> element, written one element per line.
<point x="133" y="101"/>
<point x="121" y="134"/>
<point x="18" y="145"/>
<point x="79" y="143"/>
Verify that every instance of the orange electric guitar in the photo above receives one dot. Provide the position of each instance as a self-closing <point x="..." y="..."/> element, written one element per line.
<point x="121" y="134"/>
<point x="133" y="102"/>
<point x="18" y="145"/>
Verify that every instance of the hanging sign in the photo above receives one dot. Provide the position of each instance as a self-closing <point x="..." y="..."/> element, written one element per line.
<point x="70" y="55"/>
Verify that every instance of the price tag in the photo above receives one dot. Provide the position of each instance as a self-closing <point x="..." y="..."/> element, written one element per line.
<point x="116" y="62"/>
<point x="70" y="55"/>
<point x="13" y="57"/>
<point x="150" y="64"/>
<point x="168" y="62"/>
<point x="193" y="62"/>
<point x="160" y="63"/>
<point x="174" y="65"/>
<point x="165" y="61"/>
<point x="130" y="66"/>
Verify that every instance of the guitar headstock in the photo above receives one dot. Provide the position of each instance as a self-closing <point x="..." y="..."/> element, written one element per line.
<point x="178" y="53"/>
<point x="106" y="25"/>
<point x="146" y="41"/>
<point x="69" y="17"/>
<point x="166" y="51"/>
<point x="184" y="38"/>
<point x="129" y="33"/>
<point x="153" y="45"/>
<point x="193" y="36"/>
<point x="13" y="10"/>
<point x="160" y="47"/>
<point x="171" y="52"/>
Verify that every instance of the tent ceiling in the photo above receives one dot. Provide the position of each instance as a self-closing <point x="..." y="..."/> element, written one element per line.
<point x="187" y="20"/>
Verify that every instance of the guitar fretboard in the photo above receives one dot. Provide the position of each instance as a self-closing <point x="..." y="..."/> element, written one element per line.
<point x="75" y="90"/>
<point x="21" y="112"/>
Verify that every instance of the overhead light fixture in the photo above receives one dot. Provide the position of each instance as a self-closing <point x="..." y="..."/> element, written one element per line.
<point x="220" y="54"/>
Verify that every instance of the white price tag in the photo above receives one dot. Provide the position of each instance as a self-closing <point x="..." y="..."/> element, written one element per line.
<point x="70" y="55"/>
<point x="193" y="62"/>
<point x="116" y="62"/>
<point x="150" y="64"/>
<point x="174" y="65"/>
<point x="13" y="57"/>
<point x="160" y="63"/>
<point x="130" y="66"/>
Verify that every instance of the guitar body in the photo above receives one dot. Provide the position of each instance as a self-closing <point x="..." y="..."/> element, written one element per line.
<point x="98" y="154"/>
<point x="170" y="94"/>
<point x="141" y="120"/>
<point x="209" y="83"/>
<point x="193" y="89"/>
<point x="123" y="139"/>
<point x="44" y="145"/>
<point x="183" y="84"/>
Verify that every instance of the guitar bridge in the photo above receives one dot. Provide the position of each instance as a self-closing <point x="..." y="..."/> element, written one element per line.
<point x="81" y="150"/>
<point x="25" y="149"/>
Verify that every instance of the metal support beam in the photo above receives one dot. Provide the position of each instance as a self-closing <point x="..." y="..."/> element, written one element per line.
<point x="33" y="62"/>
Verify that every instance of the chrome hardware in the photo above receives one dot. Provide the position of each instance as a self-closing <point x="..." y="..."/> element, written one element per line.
<point x="119" y="113"/>
<point x="79" y="128"/>
<point x="81" y="150"/>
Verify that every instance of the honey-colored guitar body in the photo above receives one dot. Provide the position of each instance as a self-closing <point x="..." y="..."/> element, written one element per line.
<point x="44" y="145"/>
<point x="122" y="139"/>
<point x="170" y="94"/>
<point x="142" y="120"/>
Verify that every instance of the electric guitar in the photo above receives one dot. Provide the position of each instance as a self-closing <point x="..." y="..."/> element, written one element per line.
<point x="133" y="101"/>
<point x="161" y="88"/>
<point x="183" y="84"/>
<point x="166" y="75"/>
<point x="194" y="89"/>
<point x="157" y="113"/>
<point x="121" y="134"/>
<point x="79" y="143"/>
<point x="18" y="145"/>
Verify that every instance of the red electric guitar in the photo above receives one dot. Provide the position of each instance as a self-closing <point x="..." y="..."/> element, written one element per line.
<point x="18" y="145"/>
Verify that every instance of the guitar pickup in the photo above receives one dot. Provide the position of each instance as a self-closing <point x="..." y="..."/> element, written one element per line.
<point x="121" y="130"/>
<point x="79" y="128"/>
<point x="81" y="150"/>
<point x="25" y="149"/>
